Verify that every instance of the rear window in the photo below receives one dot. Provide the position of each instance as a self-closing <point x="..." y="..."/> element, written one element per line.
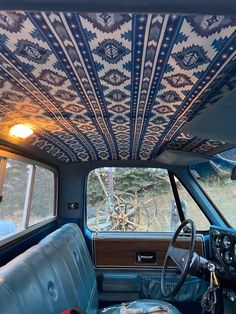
<point x="27" y="194"/>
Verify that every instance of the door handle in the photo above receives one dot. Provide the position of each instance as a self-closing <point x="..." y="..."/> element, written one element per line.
<point x="146" y="257"/>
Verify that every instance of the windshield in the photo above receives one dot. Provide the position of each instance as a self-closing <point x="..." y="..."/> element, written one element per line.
<point x="215" y="179"/>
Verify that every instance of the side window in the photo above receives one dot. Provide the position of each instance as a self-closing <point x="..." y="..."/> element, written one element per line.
<point x="13" y="196"/>
<point x="43" y="196"/>
<point x="136" y="199"/>
<point x="215" y="178"/>
<point x="129" y="199"/>
<point x="27" y="195"/>
<point x="191" y="209"/>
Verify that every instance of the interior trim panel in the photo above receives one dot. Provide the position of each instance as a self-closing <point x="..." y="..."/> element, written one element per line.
<point x="134" y="251"/>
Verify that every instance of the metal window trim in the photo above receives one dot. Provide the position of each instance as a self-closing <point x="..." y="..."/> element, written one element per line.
<point x="10" y="155"/>
<point x="176" y="196"/>
<point x="3" y="165"/>
<point x="194" y="200"/>
<point x="28" y="196"/>
<point x="22" y="233"/>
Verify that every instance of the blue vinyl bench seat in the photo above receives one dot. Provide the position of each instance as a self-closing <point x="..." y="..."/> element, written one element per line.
<point x="55" y="275"/>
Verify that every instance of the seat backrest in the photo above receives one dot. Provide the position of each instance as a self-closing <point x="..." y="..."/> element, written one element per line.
<point x="77" y="265"/>
<point x="48" y="278"/>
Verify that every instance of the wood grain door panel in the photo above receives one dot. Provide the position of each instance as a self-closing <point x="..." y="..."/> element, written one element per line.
<point x="111" y="251"/>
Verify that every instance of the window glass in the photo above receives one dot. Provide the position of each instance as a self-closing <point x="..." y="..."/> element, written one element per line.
<point x="43" y="196"/>
<point x="27" y="195"/>
<point x="129" y="199"/>
<point x="13" y="197"/>
<point x="215" y="179"/>
<point x="190" y="208"/>
<point x="135" y="199"/>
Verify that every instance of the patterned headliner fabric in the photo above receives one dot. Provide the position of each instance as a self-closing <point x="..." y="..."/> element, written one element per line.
<point x="113" y="86"/>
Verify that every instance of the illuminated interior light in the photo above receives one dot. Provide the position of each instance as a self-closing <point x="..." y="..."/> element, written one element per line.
<point x="21" y="130"/>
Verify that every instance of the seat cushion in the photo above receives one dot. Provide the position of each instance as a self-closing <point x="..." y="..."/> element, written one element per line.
<point x="50" y="277"/>
<point x="58" y="274"/>
<point x="141" y="307"/>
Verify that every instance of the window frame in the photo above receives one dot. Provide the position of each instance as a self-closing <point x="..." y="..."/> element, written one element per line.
<point x="33" y="163"/>
<point x="195" y="200"/>
<point x="85" y="220"/>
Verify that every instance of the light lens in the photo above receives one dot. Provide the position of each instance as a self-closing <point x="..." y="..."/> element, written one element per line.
<point x="21" y="130"/>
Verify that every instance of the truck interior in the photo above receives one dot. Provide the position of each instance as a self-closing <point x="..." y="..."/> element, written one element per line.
<point x="117" y="157"/>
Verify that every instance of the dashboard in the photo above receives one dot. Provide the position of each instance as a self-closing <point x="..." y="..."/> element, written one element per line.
<point x="223" y="251"/>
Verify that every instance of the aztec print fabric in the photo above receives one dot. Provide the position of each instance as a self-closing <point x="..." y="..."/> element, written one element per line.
<point x="113" y="86"/>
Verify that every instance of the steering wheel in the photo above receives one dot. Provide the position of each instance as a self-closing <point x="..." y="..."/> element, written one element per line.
<point x="181" y="257"/>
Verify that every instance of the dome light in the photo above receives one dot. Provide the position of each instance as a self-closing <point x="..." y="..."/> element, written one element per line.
<point x="21" y="130"/>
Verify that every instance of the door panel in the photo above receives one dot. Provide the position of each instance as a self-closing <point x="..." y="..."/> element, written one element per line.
<point x="136" y="250"/>
<point x="122" y="285"/>
<point x="122" y="276"/>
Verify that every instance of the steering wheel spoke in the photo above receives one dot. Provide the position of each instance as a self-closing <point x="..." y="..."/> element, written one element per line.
<point x="181" y="257"/>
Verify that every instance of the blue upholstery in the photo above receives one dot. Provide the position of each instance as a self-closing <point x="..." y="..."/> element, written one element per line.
<point x="192" y="290"/>
<point x="52" y="276"/>
<point x="141" y="306"/>
<point x="75" y="266"/>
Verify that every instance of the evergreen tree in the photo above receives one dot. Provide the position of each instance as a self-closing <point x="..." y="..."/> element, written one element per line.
<point x="127" y="181"/>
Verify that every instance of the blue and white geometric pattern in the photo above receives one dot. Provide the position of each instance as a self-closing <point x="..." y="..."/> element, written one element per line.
<point x="178" y="80"/>
<point x="111" y="51"/>
<point x="114" y="77"/>
<point x="103" y="86"/>
<point x="32" y="52"/>
<point x="191" y="57"/>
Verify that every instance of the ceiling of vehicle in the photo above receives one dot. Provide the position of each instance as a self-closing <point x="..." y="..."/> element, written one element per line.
<point x="113" y="86"/>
